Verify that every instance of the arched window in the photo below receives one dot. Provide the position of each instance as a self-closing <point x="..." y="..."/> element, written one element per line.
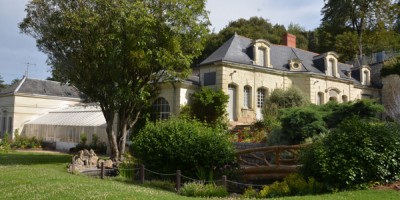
<point x="333" y="99"/>
<point x="330" y="70"/>
<point x="320" y="98"/>
<point x="247" y="96"/>
<point x="161" y="109"/>
<point x="366" y="77"/>
<point x="344" y="99"/>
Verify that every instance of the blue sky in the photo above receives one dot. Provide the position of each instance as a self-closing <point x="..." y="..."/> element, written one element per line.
<point x="16" y="50"/>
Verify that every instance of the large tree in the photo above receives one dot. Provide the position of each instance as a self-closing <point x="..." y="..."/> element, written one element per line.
<point x="2" y="85"/>
<point x="358" y="17"/>
<point x="118" y="51"/>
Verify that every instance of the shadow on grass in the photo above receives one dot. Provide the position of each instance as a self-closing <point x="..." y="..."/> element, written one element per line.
<point x="24" y="158"/>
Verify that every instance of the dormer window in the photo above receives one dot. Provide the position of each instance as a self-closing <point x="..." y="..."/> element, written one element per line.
<point x="261" y="56"/>
<point x="295" y="64"/>
<point x="261" y="52"/>
<point x="365" y="80"/>
<point x="328" y="63"/>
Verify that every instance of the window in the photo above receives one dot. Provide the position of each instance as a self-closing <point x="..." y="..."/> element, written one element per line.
<point x="161" y="109"/>
<point x="209" y="78"/>
<point x="260" y="97"/>
<point x="365" y="80"/>
<point x="10" y="125"/>
<point x="4" y="122"/>
<point x="330" y="69"/>
<point x="344" y="99"/>
<point x="247" y="97"/>
<point x="320" y="98"/>
<point x="333" y="99"/>
<point x="261" y="56"/>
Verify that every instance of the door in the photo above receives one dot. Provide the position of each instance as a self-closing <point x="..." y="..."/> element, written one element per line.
<point x="260" y="103"/>
<point x="232" y="102"/>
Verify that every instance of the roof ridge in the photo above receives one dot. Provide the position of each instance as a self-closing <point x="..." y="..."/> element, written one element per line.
<point x="20" y="84"/>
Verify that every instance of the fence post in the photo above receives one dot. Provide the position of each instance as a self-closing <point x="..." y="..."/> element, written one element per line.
<point x="178" y="180"/>
<point x="224" y="181"/>
<point x="102" y="171"/>
<point x="142" y="174"/>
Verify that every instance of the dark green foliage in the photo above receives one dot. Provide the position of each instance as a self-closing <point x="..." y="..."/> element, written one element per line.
<point x="184" y="144"/>
<point x="356" y="153"/>
<point x="301" y="123"/>
<point x="5" y="144"/>
<point x="391" y="66"/>
<point x="336" y="113"/>
<point x="194" y="189"/>
<point x="2" y="84"/>
<point x="208" y="105"/>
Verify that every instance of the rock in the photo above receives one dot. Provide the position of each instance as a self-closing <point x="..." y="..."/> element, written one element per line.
<point x="99" y="163"/>
<point x="108" y="164"/>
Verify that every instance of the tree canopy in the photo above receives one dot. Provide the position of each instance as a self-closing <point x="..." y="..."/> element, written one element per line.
<point x="117" y="52"/>
<point x="356" y="27"/>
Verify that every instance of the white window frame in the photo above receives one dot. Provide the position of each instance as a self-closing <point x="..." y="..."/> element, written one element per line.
<point x="246" y="96"/>
<point x="161" y="109"/>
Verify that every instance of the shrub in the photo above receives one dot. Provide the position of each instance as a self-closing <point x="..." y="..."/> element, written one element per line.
<point x="21" y="141"/>
<point x="126" y="168"/>
<point x="291" y="97"/>
<point x="301" y="123"/>
<point x="294" y="184"/>
<point x="355" y="153"/>
<point x="182" y="144"/>
<point x="250" y="192"/>
<point x="208" y="106"/>
<point x="5" y="144"/>
<point x="194" y="189"/>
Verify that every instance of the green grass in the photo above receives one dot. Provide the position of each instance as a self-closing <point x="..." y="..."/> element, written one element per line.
<point x="44" y="176"/>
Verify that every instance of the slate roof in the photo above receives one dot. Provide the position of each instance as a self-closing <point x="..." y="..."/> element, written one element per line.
<point x="42" y="87"/>
<point x="238" y="49"/>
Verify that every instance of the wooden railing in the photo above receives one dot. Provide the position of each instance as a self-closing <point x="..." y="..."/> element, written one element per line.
<point x="265" y="163"/>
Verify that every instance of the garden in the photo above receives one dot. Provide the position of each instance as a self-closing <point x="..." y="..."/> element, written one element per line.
<point x="347" y="151"/>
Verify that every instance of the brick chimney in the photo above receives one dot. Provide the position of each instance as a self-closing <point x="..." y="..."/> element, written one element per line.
<point x="289" y="40"/>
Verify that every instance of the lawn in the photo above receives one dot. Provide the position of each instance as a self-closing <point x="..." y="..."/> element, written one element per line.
<point x="25" y="175"/>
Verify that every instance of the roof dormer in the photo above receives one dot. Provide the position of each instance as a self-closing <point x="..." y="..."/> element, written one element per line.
<point x="365" y="75"/>
<point x="261" y="52"/>
<point x="329" y="61"/>
<point x="295" y="64"/>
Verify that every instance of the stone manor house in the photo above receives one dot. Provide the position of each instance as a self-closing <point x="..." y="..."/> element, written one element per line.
<point x="247" y="70"/>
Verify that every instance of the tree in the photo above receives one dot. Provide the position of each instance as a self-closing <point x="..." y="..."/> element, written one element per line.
<point x="117" y="52"/>
<point x="357" y="16"/>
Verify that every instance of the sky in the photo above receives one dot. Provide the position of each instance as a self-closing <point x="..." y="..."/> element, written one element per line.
<point x="19" y="55"/>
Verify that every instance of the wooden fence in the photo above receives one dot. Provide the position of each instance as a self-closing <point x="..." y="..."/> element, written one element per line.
<point x="269" y="163"/>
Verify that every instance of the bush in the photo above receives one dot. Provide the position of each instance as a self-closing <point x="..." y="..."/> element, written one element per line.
<point x="301" y="123"/>
<point x="208" y="106"/>
<point x="21" y="141"/>
<point x="250" y="192"/>
<point x="126" y="168"/>
<point x="194" y="189"/>
<point x="184" y="144"/>
<point x="5" y="144"/>
<point x="292" y="97"/>
<point x="95" y="145"/>
<point x="356" y="153"/>
<point x="294" y="184"/>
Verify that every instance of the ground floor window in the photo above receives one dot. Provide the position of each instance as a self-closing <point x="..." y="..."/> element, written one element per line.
<point x="161" y="109"/>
